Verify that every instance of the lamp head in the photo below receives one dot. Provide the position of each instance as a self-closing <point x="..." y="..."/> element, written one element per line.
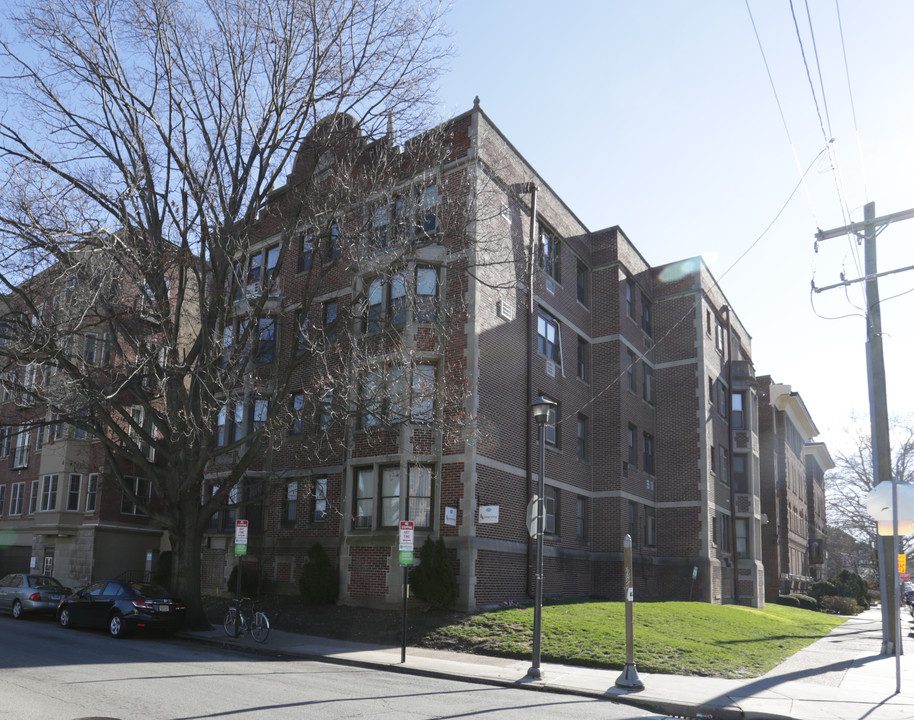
<point x="540" y="409"/>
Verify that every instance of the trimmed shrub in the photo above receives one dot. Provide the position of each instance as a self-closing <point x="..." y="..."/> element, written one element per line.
<point x="434" y="581"/>
<point x="838" y="605"/>
<point x="788" y="600"/>
<point x="849" y="584"/>
<point x="250" y="581"/>
<point x="804" y="602"/>
<point x="319" y="582"/>
<point x="822" y="588"/>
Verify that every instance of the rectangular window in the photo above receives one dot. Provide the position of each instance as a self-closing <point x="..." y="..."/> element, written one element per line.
<point x="581" y="518"/>
<point x="320" y="500"/>
<point x="89" y="348"/>
<point x="646" y="317"/>
<point x="630" y="371"/>
<point x="219" y="436"/>
<point x="724" y="465"/>
<point x="428" y="211"/>
<point x="722" y="400"/>
<point x="21" y="456"/>
<point x="647" y="383"/>
<point x="265" y="342"/>
<point x="331" y="312"/>
<point x="713" y="456"/>
<point x="6" y="437"/>
<point x="737" y="416"/>
<point x="325" y="415"/>
<point x="290" y="504"/>
<point x="724" y="540"/>
<point x="140" y="489"/>
<point x="582" y="437"/>
<point x="552" y="510"/>
<point x="396" y="301"/>
<point x="648" y="453"/>
<point x="712" y="391"/>
<point x="551" y="255"/>
<point x="740" y="478"/>
<point x="650" y="527"/>
<point x="73" y="490"/>
<point x="91" y="492"/>
<point x="423" y="393"/>
<point x="260" y="414"/>
<point x="17" y="493"/>
<point x="583" y="359"/>
<point x="633" y="446"/>
<point x="742" y="538"/>
<point x="390" y="496"/>
<point x="33" y="498"/>
<point x="371" y="400"/>
<point x="548" y="338"/>
<point x="583" y="284"/>
<point x="551" y="428"/>
<point x="2" y="496"/>
<point x="426" y="295"/>
<point x="420" y="496"/>
<point x="374" y="306"/>
<point x="298" y="406"/>
<point x="630" y="299"/>
<point x="305" y="252"/>
<point x="364" y="498"/>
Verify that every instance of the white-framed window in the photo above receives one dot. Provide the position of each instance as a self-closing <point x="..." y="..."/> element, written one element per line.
<point x="6" y="440"/>
<point x="737" y="410"/>
<point x="630" y="298"/>
<point x="33" y="497"/>
<point x="551" y="255"/>
<point x="553" y="437"/>
<point x="261" y="271"/>
<point x="397" y="500"/>
<point x="17" y="495"/>
<point x="583" y="284"/>
<point x="140" y="488"/>
<point x="724" y="465"/>
<point x="298" y="409"/>
<point x="264" y="345"/>
<point x="290" y="503"/>
<point x="91" y="492"/>
<point x="740" y="478"/>
<point x="548" y="337"/>
<point x="74" y="486"/>
<point x="319" y="514"/>
<point x="552" y="510"/>
<point x="390" y="395"/>
<point x="583" y="359"/>
<point x="388" y="301"/>
<point x="2" y="498"/>
<point x="21" y="455"/>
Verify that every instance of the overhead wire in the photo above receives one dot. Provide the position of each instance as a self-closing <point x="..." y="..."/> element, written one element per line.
<point x="850" y="94"/>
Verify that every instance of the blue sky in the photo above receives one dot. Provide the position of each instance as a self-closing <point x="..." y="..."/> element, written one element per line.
<point x="659" y="116"/>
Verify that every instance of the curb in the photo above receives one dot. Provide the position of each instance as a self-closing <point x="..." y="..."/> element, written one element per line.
<point x="662" y="707"/>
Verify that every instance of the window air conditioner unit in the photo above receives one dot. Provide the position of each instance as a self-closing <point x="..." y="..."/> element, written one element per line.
<point x="550" y="285"/>
<point x="550" y="368"/>
<point x="253" y="289"/>
<point x="362" y="522"/>
<point x="504" y="310"/>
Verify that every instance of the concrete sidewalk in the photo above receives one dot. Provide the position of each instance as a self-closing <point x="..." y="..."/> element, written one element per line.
<point x="840" y="677"/>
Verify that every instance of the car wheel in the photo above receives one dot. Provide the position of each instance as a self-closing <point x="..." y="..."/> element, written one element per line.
<point x="17" y="609"/>
<point x="64" y="618"/>
<point x="116" y="625"/>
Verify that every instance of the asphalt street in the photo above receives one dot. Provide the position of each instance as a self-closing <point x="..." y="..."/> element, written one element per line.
<point x="49" y="673"/>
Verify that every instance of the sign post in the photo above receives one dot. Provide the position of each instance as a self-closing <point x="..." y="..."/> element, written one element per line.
<point x="407" y="534"/>
<point x="629" y="677"/>
<point x="241" y="548"/>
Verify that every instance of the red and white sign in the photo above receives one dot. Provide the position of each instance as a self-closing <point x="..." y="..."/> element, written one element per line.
<point x="241" y="532"/>
<point x="407" y="534"/>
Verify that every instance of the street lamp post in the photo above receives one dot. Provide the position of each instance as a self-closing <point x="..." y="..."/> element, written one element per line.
<point x="540" y="409"/>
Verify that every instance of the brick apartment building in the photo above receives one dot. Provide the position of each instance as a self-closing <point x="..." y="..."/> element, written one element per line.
<point x="494" y="293"/>
<point x="792" y="489"/>
<point x="655" y="436"/>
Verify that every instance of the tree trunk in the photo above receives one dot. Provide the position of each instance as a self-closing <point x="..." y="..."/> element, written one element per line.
<point x="186" y="541"/>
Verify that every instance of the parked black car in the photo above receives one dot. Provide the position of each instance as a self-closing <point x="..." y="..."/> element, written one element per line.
<point x="122" y="605"/>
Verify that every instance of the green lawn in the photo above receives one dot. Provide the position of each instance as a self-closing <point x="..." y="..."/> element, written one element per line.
<point x="672" y="637"/>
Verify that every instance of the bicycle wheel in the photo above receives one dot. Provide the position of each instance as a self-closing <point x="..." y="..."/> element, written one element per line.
<point x="260" y="630"/>
<point x="228" y="623"/>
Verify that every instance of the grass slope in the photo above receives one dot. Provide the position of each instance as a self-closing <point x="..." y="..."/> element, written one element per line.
<point x="672" y="637"/>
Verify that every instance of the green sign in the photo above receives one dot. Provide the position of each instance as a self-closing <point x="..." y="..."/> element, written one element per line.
<point x="241" y="548"/>
<point x="406" y="557"/>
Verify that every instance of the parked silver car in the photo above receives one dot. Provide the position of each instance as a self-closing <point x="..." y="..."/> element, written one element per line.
<point x="21" y="593"/>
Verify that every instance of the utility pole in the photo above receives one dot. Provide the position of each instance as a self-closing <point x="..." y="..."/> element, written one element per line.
<point x="879" y="418"/>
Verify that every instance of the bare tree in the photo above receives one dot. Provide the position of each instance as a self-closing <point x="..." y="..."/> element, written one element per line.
<point x="147" y="148"/>
<point x="847" y="485"/>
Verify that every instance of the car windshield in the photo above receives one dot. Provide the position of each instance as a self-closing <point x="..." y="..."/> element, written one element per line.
<point x="148" y="589"/>
<point x="43" y="581"/>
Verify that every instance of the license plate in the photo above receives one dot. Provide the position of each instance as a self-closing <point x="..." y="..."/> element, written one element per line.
<point x="53" y="597"/>
<point x="163" y="608"/>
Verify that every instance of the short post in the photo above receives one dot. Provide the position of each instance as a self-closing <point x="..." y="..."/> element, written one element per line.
<point x="405" y="603"/>
<point x="629" y="677"/>
<point x="238" y="594"/>
<point x="407" y="529"/>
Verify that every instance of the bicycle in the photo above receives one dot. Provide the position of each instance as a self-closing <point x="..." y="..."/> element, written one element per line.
<point x="251" y="620"/>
